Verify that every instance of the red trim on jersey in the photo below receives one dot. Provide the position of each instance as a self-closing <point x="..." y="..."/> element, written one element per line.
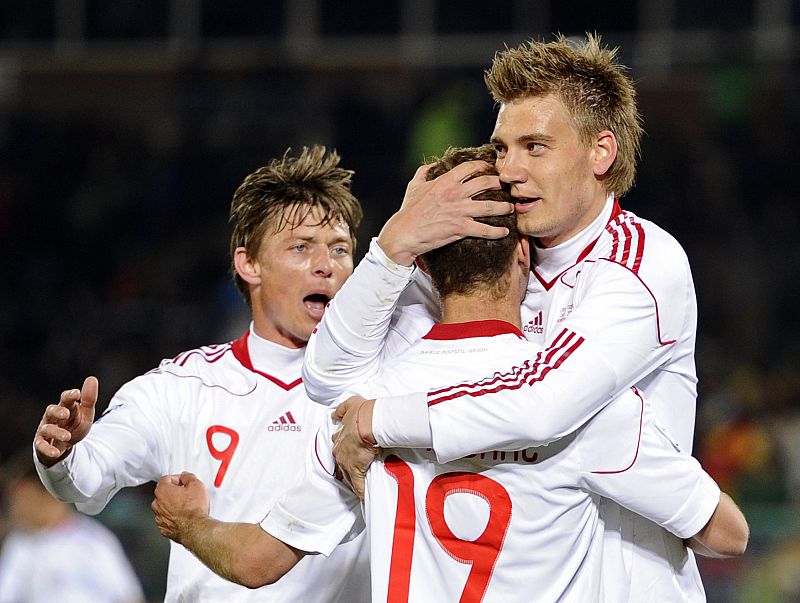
<point x="210" y="354"/>
<point x="655" y="301"/>
<point x="476" y="328"/>
<point x="319" y="458"/>
<point x="242" y="354"/>
<point x="626" y="231"/>
<point x="638" y="440"/>
<point x="529" y="373"/>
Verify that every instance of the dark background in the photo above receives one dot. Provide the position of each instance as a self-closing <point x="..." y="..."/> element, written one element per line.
<point x="125" y="127"/>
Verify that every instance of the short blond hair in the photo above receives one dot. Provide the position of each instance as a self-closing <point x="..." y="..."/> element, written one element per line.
<point x="587" y="79"/>
<point x="284" y="192"/>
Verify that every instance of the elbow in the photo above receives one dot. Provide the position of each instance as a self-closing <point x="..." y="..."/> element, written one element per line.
<point x="253" y="573"/>
<point x="739" y="544"/>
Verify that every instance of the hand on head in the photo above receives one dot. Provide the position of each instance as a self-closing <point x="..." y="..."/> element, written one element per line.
<point x="440" y="211"/>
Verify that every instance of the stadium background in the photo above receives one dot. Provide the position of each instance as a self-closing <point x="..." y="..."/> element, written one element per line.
<point x="125" y="126"/>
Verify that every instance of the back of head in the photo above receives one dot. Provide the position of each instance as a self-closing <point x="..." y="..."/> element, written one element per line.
<point x="284" y="192"/>
<point x="470" y="264"/>
<point x="589" y="82"/>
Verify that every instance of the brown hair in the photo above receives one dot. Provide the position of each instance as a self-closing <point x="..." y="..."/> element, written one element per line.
<point x="464" y="265"/>
<point x="284" y="192"/>
<point x="591" y="84"/>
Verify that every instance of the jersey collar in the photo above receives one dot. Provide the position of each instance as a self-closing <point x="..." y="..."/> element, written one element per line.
<point x="549" y="263"/>
<point x="272" y="359"/>
<point x="467" y="330"/>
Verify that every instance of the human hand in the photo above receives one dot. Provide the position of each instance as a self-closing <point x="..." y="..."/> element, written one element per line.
<point x="439" y="211"/>
<point x="353" y="443"/>
<point x="180" y="500"/>
<point x="65" y="424"/>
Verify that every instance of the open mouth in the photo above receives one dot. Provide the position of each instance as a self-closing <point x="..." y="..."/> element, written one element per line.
<point x="315" y="303"/>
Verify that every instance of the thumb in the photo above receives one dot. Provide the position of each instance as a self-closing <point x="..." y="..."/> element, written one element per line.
<point x="89" y="392"/>
<point x="345" y="406"/>
<point x="187" y="478"/>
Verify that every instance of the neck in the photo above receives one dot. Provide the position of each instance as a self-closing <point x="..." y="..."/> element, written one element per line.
<point x="589" y="215"/>
<point x="480" y="306"/>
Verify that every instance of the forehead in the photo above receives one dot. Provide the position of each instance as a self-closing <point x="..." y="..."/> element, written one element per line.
<point x="308" y="221"/>
<point x="532" y="115"/>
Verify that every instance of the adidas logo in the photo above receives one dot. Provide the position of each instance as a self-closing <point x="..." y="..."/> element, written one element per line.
<point x="534" y="326"/>
<point x="285" y="422"/>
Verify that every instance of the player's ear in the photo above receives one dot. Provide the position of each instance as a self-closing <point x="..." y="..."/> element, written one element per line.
<point x="247" y="267"/>
<point x="524" y="253"/>
<point x="421" y="264"/>
<point x="604" y="152"/>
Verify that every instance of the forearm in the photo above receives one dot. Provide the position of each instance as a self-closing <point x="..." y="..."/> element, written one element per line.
<point x="240" y="552"/>
<point x="725" y="535"/>
<point x="347" y="344"/>
<point x="77" y="479"/>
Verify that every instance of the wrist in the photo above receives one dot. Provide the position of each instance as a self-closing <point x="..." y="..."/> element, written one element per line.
<point x="395" y="253"/>
<point x="393" y="246"/>
<point x="364" y="423"/>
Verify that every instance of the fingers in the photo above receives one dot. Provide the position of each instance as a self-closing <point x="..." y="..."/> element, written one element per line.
<point x="47" y="451"/>
<point x="474" y="228"/>
<point x="69" y="397"/>
<point x="168" y="480"/>
<point x="464" y="171"/>
<point x="88" y="393"/>
<point x="346" y="406"/>
<point x="53" y="432"/>
<point x="186" y="478"/>
<point x="57" y="414"/>
<point x="480" y="184"/>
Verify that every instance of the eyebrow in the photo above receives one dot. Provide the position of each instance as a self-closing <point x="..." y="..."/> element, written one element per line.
<point x="526" y="138"/>
<point x="311" y="237"/>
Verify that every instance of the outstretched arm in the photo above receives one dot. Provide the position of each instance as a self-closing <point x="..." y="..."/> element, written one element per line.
<point x="240" y="552"/>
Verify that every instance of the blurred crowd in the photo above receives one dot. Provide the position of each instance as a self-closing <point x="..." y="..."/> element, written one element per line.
<point x="115" y="255"/>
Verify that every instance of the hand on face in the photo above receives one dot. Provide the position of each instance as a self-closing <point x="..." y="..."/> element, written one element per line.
<point x="179" y="501"/>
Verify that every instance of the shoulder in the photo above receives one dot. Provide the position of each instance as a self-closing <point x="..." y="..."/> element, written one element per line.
<point x="189" y="371"/>
<point x="199" y="359"/>
<point x="643" y="248"/>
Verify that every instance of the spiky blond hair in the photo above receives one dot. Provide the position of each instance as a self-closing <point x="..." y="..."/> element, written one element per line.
<point x="587" y="79"/>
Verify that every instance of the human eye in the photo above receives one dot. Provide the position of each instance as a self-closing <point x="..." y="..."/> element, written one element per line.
<point x="299" y="247"/>
<point x="500" y="149"/>
<point x="535" y="147"/>
<point x="340" y="250"/>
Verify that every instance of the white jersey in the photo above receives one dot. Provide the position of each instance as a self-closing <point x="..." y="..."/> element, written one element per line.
<point x="77" y="561"/>
<point x="237" y="416"/>
<point x="613" y="307"/>
<point x="494" y="526"/>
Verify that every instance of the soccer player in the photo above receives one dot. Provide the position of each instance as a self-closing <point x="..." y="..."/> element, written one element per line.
<point x="488" y="527"/>
<point x="45" y="532"/>
<point x="610" y="297"/>
<point x="235" y="414"/>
